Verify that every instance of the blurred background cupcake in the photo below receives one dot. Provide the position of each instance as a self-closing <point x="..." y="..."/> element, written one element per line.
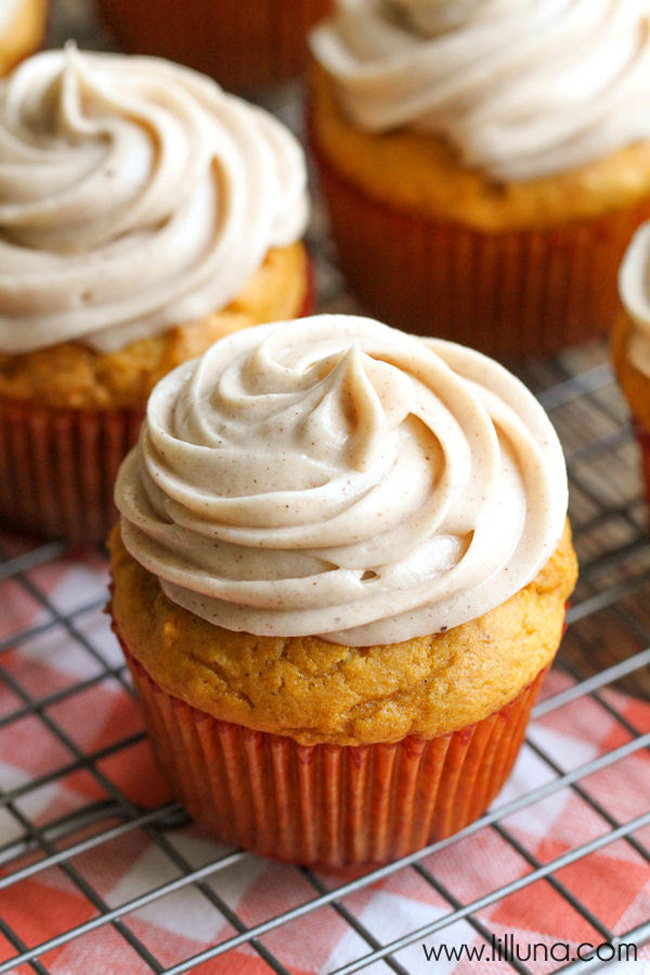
<point x="485" y="162"/>
<point x="339" y="577"/>
<point x="143" y="213"/>
<point x="22" y="28"/>
<point x="243" y="44"/>
<point x="631" y="340"/>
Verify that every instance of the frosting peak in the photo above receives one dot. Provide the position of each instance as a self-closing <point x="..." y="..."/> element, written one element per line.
<point x="336" y="477"/>
<point x="135" y="195"/>
<point x="520" y="88"/>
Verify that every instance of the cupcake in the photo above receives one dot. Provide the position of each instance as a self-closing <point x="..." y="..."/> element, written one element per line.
<point x="22" y="26"/>
<point x="631" y="340"/>
<point x="339" y="576"/>
<point x="253" y="44"/>
<point x="144" y="213"/>
<point x="501" y="146"/>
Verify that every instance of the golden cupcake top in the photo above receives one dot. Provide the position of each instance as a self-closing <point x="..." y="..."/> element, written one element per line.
<point x="318" y="691"/>
<point x="134" y="195"/>
<point x="520" y="88"/>
<point x="335" y="477"/>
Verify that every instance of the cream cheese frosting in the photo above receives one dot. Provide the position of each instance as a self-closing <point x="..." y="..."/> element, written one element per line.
<point x="634" y="290"/>
<point x="336" y="477"/>
<point x="520" y="88"/>
<point x="135" y="195"/>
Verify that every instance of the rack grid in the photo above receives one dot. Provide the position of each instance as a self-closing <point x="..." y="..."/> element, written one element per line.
<point x="607" y="646"/>
<point x="605" y="657"/>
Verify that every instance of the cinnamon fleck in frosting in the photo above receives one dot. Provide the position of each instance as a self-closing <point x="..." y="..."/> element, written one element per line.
<point x="520" y="88"/>
<point x="336" y="477"/>
<point x="135" y="195"/>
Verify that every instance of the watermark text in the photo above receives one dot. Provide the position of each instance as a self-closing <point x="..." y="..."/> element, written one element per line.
<point x="509" y="948"/>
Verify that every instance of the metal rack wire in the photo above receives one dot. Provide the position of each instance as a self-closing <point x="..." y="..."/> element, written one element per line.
<point x="607" y="647"/>
<point x="581" y="396"/>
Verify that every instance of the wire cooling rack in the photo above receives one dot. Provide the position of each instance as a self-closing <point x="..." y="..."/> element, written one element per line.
<point x="606" y="646"/>
<point x="606" y="649"/>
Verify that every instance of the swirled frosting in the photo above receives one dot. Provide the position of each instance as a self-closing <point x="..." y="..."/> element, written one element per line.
<point x="520" y="88"/>
<point x="634" y="290"/>
<point x="134" y="195"/>
<point x="336" y="477"/>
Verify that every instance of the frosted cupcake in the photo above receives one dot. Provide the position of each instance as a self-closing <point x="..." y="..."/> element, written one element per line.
<point x="502" y="147"/>
<point x="244" y="44"/>
<point x="143" y="214"/>
<point x="22" y="27"/>
<point x="340" y="576"/>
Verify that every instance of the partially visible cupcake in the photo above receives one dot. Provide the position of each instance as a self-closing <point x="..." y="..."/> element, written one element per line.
<point x="22" y="28"/>
<point x="631" y="340"/>
<point x="243" y="44"/>
<point x="339" y="578"/>
<point x="143" y="214"/>
<point x="486" y="162"/>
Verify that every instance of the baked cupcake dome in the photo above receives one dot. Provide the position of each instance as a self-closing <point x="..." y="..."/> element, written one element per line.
<point x="165" y="214"/>
<point x="507" y="185"/>
<point x="22" y="28"/>
<point x="249" y="44"/>
<point x="342" y="549"/>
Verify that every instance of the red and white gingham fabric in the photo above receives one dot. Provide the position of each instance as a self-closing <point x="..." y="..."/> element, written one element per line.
<point x="613" y="882"/>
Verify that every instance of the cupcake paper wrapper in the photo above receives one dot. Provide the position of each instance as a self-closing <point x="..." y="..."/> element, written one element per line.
<point x="511" y="294"/>
<point x="241" y="43"/>
<point x="329" y="804"/>
<point x="59" y="466"/>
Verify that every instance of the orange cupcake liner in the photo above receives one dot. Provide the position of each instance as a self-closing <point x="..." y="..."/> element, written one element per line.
<point x="59" y="466"/>
<point x="240" y="43"/>
<point x="329" y="804"/>
<point x="511" y="294"/>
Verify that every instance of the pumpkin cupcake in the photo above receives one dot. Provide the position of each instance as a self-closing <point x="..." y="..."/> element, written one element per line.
<point x="485" y="163"/>
<point x="143" y="214"/>
<point x="339" y="577"/>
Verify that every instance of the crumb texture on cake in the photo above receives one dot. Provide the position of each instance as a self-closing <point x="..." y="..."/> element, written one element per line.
<point x="73" y="376"/>
<point x="420" y="174"/>
<point x="315" y="691"/>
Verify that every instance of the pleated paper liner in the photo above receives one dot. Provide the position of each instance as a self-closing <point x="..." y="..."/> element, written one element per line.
<point x="329" y="804"/>
<point x="59" y="467"/>
<point x="241" y="43"/>
<point x="511" y="294"/>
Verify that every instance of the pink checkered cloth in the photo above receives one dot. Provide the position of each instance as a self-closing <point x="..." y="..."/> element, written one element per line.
<point x="98" y="717"/>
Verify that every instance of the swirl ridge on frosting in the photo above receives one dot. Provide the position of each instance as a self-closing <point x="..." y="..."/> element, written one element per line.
<point x="520" y="88"/>
<point x="336" y="477"/>
<point x="135" y="195"/>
